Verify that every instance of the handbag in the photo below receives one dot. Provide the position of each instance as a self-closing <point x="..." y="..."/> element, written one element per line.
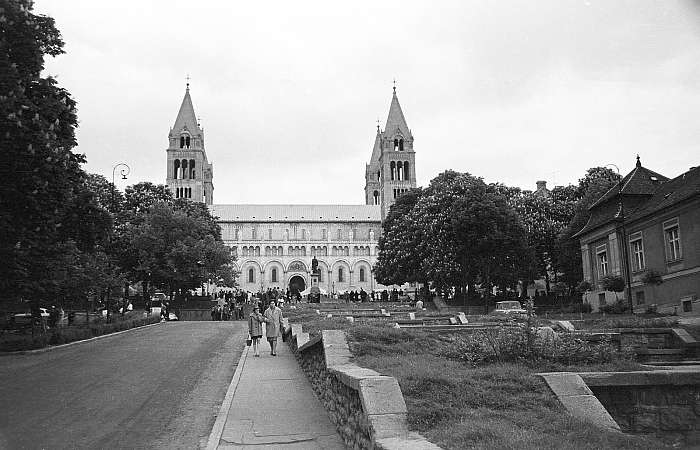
<point x="248" y="342"/>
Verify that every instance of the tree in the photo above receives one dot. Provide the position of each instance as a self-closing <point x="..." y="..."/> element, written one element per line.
<point x="39" y="170"/>
<point x="596" y="182"/>
<point x="175" y="248"/>
<point x="399" y="259"/>
<point x="463" y="232"/>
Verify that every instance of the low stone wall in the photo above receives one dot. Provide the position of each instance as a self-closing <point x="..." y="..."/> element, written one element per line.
<point x="367" y="408"/>
<point x="650" y="402"/>
<point x="658" y="401"/>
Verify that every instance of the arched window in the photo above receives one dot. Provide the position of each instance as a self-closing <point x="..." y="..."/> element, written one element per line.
<point x="340" y="274"/>
<point x="176" y="168"/>
<point x="399" y="171"/>
<point x="392" y="166"/>
<point x="183" y="165"/>
<point x="192" y="169"/>
<point x="182" y="141"/>
<point x="251" y="275"/>
<point x="379" y="175"/>
<point x="362" y="274"/>
<point x="406" y="171"/>
<point x="257" y="251"/>
<point x="274" y="275"/>
<point x="400" y="145"/>
<point x="396" y="145"/>
<point x="187" y="142"/>
<point x="267" y="251"/>
<point x="376" y="197"/>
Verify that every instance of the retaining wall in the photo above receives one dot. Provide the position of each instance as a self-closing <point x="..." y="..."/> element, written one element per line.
<point x="366" y="407"/>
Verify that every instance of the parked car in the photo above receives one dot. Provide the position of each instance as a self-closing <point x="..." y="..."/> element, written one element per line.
<point x="510" y="307"/>
<point x="25" y="319"/>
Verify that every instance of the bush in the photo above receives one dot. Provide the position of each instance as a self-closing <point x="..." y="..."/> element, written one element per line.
<point x="613" y="283"/>
<point x="58" y="336"/>
<point x="509" y="344"/>
<point x="619" y="307"/>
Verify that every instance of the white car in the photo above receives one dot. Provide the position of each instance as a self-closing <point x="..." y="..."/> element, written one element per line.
<point x="26" y="318"/>
<point x="510" y="307"/>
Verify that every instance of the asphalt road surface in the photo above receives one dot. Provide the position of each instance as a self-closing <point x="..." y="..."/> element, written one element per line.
<point x="155" y="387"/>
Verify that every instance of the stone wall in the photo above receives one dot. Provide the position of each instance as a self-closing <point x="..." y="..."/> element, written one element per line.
<point x="367" y="408"/>
<point x="665" y="402"/>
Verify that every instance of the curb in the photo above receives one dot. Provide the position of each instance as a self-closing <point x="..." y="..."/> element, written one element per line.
<point x="56" y="347"/>
<point x="221" y="418"/>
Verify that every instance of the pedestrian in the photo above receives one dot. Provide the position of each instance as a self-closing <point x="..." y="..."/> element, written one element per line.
<point x="255" y="321"/>
<point x="273" y="325"/>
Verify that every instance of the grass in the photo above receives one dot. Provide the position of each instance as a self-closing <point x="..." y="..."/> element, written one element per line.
<point x="460" y="405"/>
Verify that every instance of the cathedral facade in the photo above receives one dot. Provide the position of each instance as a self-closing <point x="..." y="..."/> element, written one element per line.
<point x="274" y="244"/>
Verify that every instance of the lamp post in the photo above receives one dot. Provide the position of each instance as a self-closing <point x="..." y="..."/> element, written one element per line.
<point x="126" y="170"/>
<point x="623" y="253"/>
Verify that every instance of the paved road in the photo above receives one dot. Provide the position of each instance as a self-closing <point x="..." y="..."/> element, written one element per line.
<point x="158" y="387"/>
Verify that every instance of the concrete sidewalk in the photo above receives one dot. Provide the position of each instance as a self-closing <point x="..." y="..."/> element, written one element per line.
<point x="271" y="405"/>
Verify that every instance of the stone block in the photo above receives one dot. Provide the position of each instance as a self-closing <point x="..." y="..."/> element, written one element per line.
<point x="302" y="338"/>
<point x="296" y="329"/>
<point x="388" y="425"/>
<point x="462" y="318"/>
<point x="413" y="441"/>
<point x="351" y="375"/>
<point x="381" y="395"/>
<point x="453" y="321"/>
<point x="588" y="408"/>
<point x="412" y="316"/>
<point x="565" y="325"/>
<point x="309" y="343"/>
<point x="566" y="384"/>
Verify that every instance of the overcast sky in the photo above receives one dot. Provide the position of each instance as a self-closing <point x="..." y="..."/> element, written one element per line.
<point x="289" y="92"/>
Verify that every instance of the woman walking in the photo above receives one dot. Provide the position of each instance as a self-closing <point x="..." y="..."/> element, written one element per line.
<point x="273" y="325"/>
<point x="255" y="321"/>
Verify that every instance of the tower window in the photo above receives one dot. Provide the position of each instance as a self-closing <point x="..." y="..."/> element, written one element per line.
<point x="406" y="171"/>
<point x="396" y="145"/>
<point x="399" y="171"/>
<point x="392" y="166"/>
<point x="187" y="141"/>
<point x="400" y="145"/>
<point x="362" y="274"/>
<point x="176" y="169"/>
<point x="251" y="275"/>
<point x="340" y="274"/>
<point x="182" y="141"/>
<point x="376" y="197"/>
<point x="274" y="275"/>
<point x="191" y="165"/>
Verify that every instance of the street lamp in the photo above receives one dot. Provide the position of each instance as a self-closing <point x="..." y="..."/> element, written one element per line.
<point x="126" y="170"/>
<point x="624" y="254"/>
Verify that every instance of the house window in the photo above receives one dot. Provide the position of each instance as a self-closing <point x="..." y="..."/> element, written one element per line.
<point x="601" y="299"/>
<point x="251" y="275"/>
<point x="362" y="274"/>
<point x="340" y="274"/>
<point x="639" y="296"/>
<point x="673" y="240"/>
<point x="602" y="255"/>
<point x="274" y="275"/>
<point x="637" y="248"/>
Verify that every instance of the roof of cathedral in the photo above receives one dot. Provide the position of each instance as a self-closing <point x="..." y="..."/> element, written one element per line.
<point x="297" y="213"/>
<point x="396" y="120"/>
<point x="186" y="117"/>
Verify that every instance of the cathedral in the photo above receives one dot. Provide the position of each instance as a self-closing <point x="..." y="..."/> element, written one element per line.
<point x="275" y="244"/>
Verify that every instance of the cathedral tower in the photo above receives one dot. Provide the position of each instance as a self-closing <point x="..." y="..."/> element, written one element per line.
<point x="391" y="170"/>
<point x="189" y="174"/>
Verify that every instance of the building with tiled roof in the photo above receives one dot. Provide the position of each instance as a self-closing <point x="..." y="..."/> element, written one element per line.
<point x="646" y="229"/>
<point x="274" y="245"/>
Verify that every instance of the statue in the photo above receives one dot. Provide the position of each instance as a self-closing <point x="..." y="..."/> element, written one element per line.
<point x="314" y="266"/>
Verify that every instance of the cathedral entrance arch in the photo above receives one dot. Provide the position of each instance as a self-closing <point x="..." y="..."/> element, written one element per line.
<point x="297" y="284"/>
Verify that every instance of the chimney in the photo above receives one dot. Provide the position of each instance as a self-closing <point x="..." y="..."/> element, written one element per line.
<point x="541" y="185"/>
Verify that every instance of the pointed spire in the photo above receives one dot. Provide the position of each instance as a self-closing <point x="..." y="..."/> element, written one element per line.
<point x="639" y="163"/>
<point x="186" y="117"/>
<point x="396" y="120"/>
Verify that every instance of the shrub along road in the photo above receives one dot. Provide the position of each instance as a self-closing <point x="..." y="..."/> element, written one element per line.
<point x="157" y="387"/>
